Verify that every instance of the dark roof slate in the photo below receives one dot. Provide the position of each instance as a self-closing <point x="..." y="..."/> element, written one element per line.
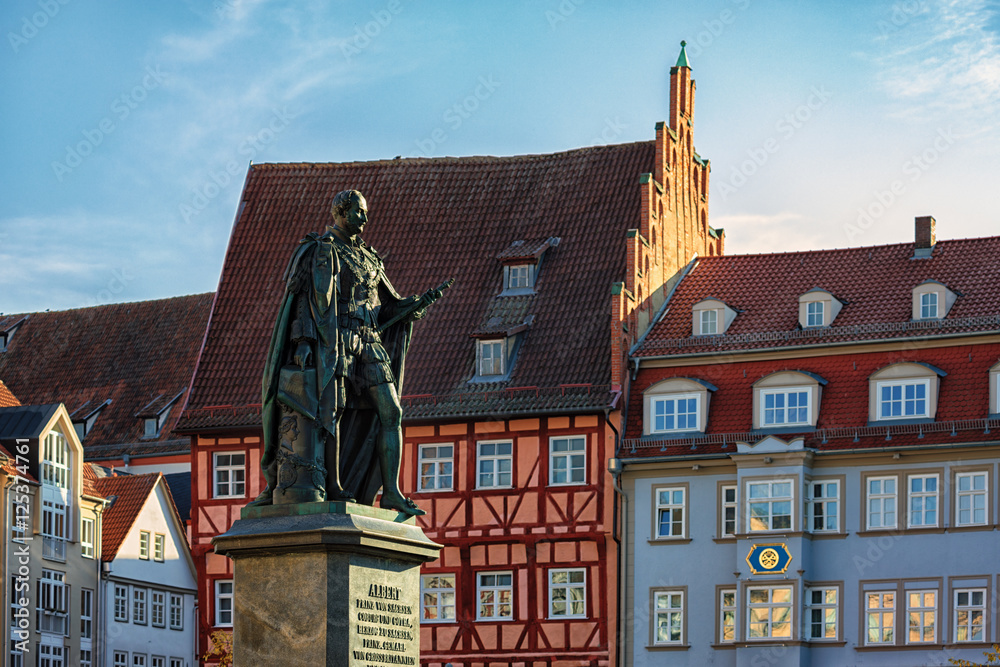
<point x="432" y="219"/>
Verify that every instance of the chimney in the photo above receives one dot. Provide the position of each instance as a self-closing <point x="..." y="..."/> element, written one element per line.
<point x="924" y="232"/>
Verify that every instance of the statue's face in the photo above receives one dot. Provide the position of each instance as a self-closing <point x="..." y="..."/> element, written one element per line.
<point x="357" y="216"/>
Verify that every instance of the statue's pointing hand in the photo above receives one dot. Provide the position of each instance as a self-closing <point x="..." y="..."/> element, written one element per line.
<point x="303" y="355"/>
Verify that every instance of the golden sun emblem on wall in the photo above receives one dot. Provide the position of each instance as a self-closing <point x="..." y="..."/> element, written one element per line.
<point x="769" y="558"/>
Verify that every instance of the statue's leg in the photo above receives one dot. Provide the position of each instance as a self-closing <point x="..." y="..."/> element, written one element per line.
<point x="334" y="490"/>
<point x="390" y="447"/>
<point x="271" y="477"/>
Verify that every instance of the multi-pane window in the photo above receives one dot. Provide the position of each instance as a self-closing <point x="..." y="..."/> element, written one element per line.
<point x="928" y="305"/>
<point x="158" y="608"/>
<point x="709" y="321"/>
<point x="138" y="660"/>
<point x="568" y="460"/>
<point x="496" y="463"/>
<point x="728" y="508"/>
<point x="668" y="607"/>
<point x="159" y="542"/>
<point x="51" y="655"/>
<point x="437" y="597"/>
<point x="921" y="617"/>
<point x="880" y="617"/>
<point x="881" y="502"/>
<point x="144" y="544"/>
<point x="52" y="607"/>
<point x="54" y="529"/>
<point x="121" y="659"/>
<point x="86" y="613"/>
<point x="727" y="615"/>
<point x="783" y="407"/>
<point x="568" y="593"/>
<point x="157" y="661"/>
<point x="970" y="612"/>
<point x="491" y="357"/>
<point x="823" y="505"/>
<point x="139" y="605"/>
<point x="677" y="412"/>
<point x="86" y="657"/>
<point x="176" y="612"/>
<point x="814" y="314"/>
<point x="223" y="603"/>
<point x="670" y="512"/>
<point x="176" y="662"/>
<point x="121" y="603"/>
<point x="87" y="538"/>
<point x="769" y="612"/>
<point x="518" y="276"/>
<point x="55" y="461"/>
<point x="923" y="501"/>
<point x="970" y="499"/>
<point x="904" y="399"/>
<point x="769" y="505"/>
<point x="230" y="475"/>
<point x="436" y="467"/>
<point x="495" y="591"/>
<point x="821" y="615"/>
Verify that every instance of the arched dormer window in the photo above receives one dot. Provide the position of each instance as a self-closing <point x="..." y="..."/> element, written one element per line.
<point x="676" y="406"/>
<point x="787" y="400"/>
<point x="711" y="316"/>
<point x="995" y="391"/>
<point x="904" y="392"/>
<point x="932" y="300"/>
<point x="818" y="308"/>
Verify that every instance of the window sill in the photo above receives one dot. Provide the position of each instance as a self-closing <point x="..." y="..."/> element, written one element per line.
<point x="827" y="536"/>
<point x="970" y="529"/>
<point x="728" y="646"/>
<point x="668" y="647"/>
<point x="755" y="643"/>
<point x="769" y="534"/>
<point x="669" y="540"/>
<point x="494" y="620"/>
<point x="446" y="621"/>
<point x="901" y="647"/>
<point x="724" y="540"/>
<point x="813" y="643"/>
<point x="902" y="531"/>
<point x="435" y="491"/>
<point x="901" y="421"/>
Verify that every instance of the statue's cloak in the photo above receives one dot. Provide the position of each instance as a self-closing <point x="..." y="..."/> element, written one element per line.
<point x="320" y="392"/>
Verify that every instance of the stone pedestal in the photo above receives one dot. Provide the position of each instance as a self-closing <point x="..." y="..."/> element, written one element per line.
<point x="326" y="583"/>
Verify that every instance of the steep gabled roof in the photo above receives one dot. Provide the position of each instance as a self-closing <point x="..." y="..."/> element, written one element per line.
<point x="875" y="284"/>
<point x="432" y="219"/>
<point x="131" y="493"/>
<point x="135" y="355"/>
<point x="7" y="398"/>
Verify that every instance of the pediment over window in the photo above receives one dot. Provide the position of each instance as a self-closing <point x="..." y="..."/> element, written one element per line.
<point x="818" y="308"/>
<point x="710" y="317"/>
<point x="787" y="400"/>
<point x="932" y="300"/>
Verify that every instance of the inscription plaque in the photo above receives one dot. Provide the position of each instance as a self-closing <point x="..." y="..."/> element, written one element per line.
<point x="386" y="627"/>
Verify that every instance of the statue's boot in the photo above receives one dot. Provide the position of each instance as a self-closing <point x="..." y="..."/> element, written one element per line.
<point x="266" y="496"/>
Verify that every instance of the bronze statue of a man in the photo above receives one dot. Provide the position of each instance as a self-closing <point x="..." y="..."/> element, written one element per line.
<point x="334" y="370"/>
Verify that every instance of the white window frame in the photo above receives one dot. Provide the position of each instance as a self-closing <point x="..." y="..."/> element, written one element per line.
<point x="670" y="616"/>
<point x="121" y="659"/>
<point x="921" y="503"/>
<point x="496" y="473"/>
<point x="824" y="506"/>
<point x="53" y="603"/>
<point x="662" y="400"/>
<point x="882" y="497"/>
<point x="561" y="593"/>
<point x="773" y="611"/>
<point x="676" y="511"/>
<point x="176" y="662"/>
<point x="157" y="661"/>
<point x="708" y="322"/>
<point x="437" y="593"/>
<point x="498" y="591"/>
<point x="727" y="507"/>
<point x="56" y="461"/>
<point x="88" y="531"/>
<point x="727" y="615"/>
<point x="140" y="606"/>
<point x="436" y="472"/>
<point x="970" y="496"/>
<point x="884" y="612"/>
<point x="785" y="410"/>
<point x="55" y="528"/>
<point x="159" y="547"/>
<point x="138" y="660"/>
<point x="770" y="500"/>
<point x="86" y="657"/>
<point x="121" y="603"/>
<point x="917" y="615"/>
<point x="929" y="306"/>
<point x="155" y="607"/>
<point x="235" y="475"/>
<point x="176" y="611"/>
<point x="969" y="609"/>
<point x="520" y="273"/>
<point x="815" y="313"/>
<point x="86" y="613"/>
<point x="569" y="463"/>
<point x="902" y="384"/>
<point x="144" y="544"/>
<point x="491" y="355"/>
<point x="829" y="613"/>
<point x="223" y="603"/>
<point x="51" y="655"/>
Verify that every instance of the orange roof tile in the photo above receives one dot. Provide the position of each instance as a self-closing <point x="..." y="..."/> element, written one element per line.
<point x="131" y="492"/>
<point x="7" y="398"/>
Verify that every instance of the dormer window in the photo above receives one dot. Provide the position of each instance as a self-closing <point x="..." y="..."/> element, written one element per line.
<point x="7" y="333"/>
<point x="491" y="358"/>
<point x="818" y="308"/>
<point x="711" y="317"/>
<point x="519" y="276"/>
<point x="521" y="262"/>
<point x="787" y="400"/>
<point x="932" y="300"/>
<point x="154" y="415"/>
<point x="84" y="417"/>
<point x="904" y="392"/>
<point x="676" y="406"/>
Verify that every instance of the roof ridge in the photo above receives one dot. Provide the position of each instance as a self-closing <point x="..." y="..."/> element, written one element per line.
<point x="791" y="253"/>
<point x="107" y="305"/>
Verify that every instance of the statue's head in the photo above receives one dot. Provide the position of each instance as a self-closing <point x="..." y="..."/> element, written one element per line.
<point x="343" y="201"/>
<point x="350" y="211"/>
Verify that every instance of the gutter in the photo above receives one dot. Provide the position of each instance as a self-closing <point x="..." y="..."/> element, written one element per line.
<point x="622" y="546"/>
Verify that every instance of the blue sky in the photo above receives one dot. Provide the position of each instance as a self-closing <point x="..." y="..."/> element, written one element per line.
<point x="129" y="126"/>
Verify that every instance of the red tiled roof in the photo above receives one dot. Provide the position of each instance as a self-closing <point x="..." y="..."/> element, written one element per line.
<point x="8" y="463"/>
<point x="90" y="481"/>
<point x="132" y="492"/>
<point x="129" y="353"/>
<point x="875" y="283"/>
<point x="7" y="398"/>
<point x="843" y="410"/>
<point x="433" y="219"/>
